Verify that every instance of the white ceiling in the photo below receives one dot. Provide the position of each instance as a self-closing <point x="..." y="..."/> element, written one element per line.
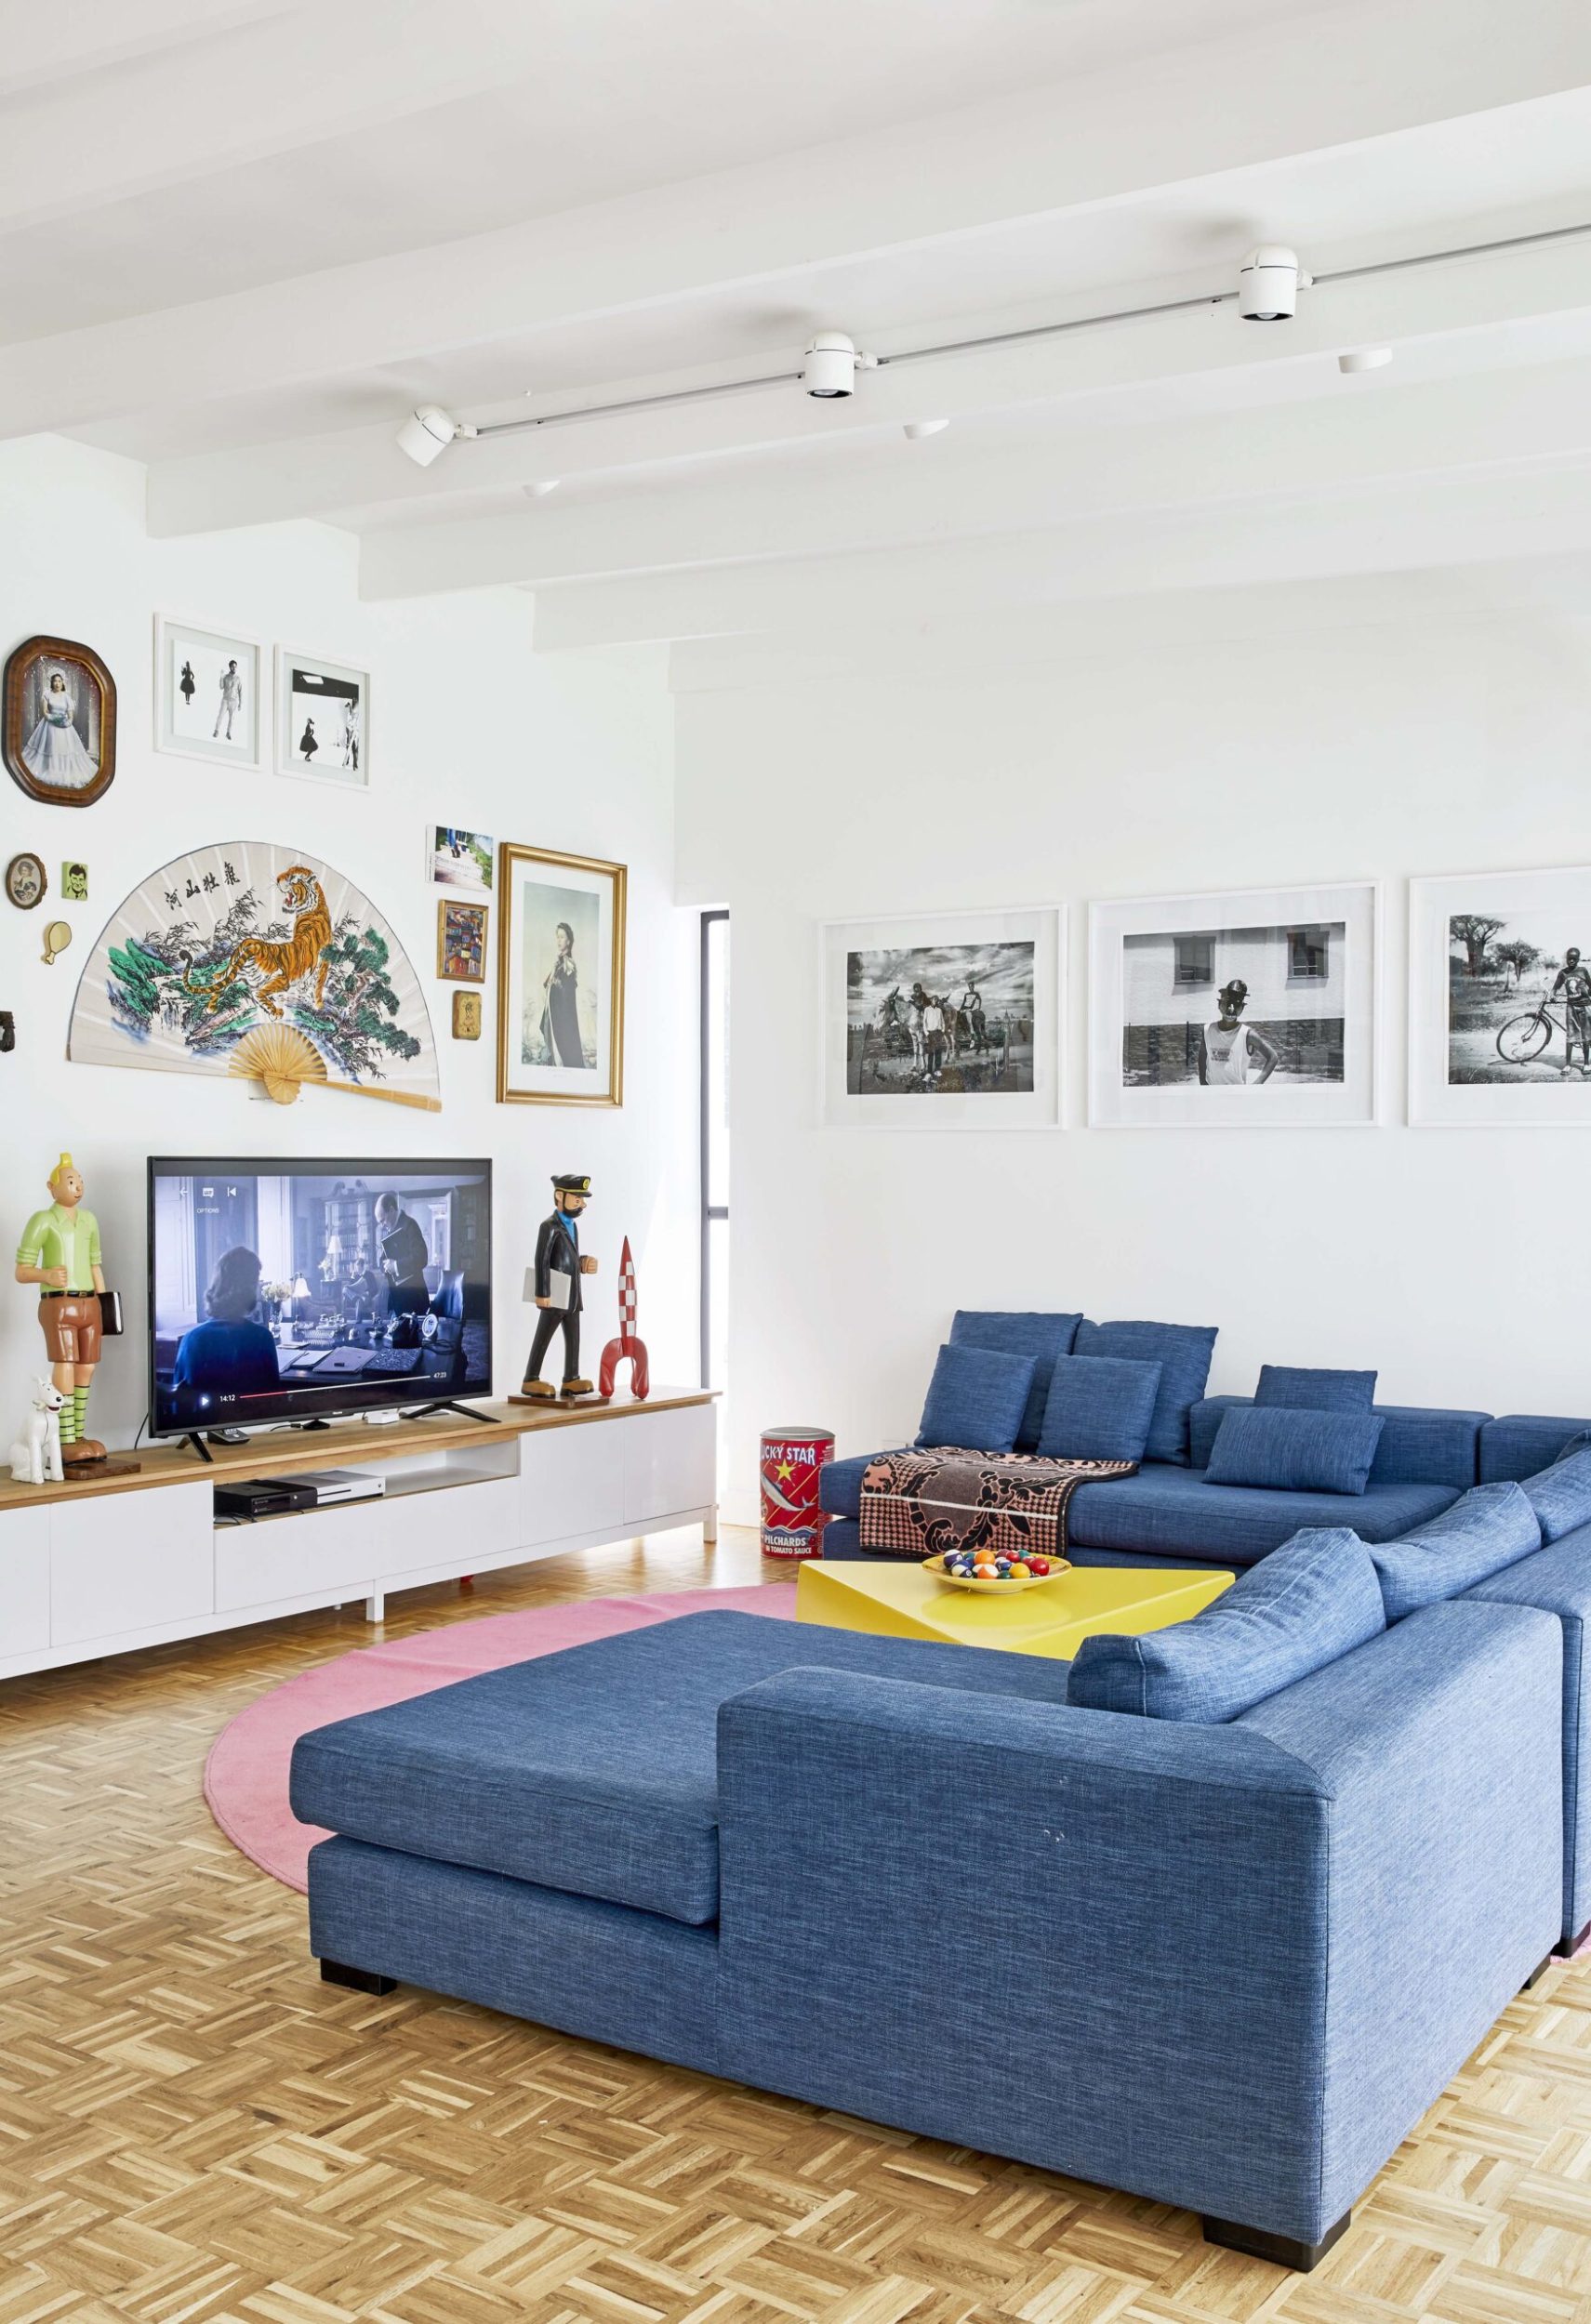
<point x="238" y="242"/>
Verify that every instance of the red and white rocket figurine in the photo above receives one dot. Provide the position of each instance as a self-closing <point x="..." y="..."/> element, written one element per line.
<point x="627" y="1344"/>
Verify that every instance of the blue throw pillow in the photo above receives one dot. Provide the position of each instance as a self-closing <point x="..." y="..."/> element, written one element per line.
<point x="1183" y="1352"/>
<point x="1041" y="1337"/>
<point x="1561" y="1496"/>
<point x="976" y="1399"/>
<point x="1307" y="1604"/>
<point x="1486" y="1529"/>
<point x="1098" y="1409"/>
<point x="1301" y="1387"/>
<point x="1295" y="1452"/>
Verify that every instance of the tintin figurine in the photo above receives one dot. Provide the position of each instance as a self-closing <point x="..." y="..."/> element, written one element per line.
<point x="559" y="1267"/>
<point x="60" y="1251"/>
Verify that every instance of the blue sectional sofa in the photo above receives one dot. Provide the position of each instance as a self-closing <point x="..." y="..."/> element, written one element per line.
<point x="1248" y="1956"/>
<point x="1257" y="1931"/>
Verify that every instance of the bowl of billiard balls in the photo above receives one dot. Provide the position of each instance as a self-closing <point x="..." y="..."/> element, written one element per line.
<point x="994" y="1572"/>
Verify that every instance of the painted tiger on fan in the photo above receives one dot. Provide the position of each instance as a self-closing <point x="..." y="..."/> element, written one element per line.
<point x="286" y="960"/>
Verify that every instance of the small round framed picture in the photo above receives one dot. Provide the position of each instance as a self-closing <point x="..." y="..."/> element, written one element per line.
<point x="26" y="881"/>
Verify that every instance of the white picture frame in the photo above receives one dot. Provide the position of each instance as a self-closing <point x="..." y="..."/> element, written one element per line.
<point x="878" y="1070"/>
<point x="194" y="709"/>
<point x="311" y="687"/>
<point x="1160" y="968"/>
<point x="1465" y="998"/>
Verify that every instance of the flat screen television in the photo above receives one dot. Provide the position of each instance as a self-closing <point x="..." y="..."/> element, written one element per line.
<point x="283" y="1291"/>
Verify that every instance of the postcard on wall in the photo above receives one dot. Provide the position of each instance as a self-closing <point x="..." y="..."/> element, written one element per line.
<point x="560" y="979"/>
<point x="459" y="859"/>
<point x="1500" y="999"/>
<point x="947" y="1021"/>
<point x="207" y="701"/>
<point x="1253" y="1009"/>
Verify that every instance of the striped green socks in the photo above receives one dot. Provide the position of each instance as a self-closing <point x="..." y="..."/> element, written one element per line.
<point x="79" y="1414"/>
<point x="69" y="1417"/>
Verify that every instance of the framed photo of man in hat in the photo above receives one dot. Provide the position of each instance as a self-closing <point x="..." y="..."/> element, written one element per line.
<point x="1256" y="1009"/>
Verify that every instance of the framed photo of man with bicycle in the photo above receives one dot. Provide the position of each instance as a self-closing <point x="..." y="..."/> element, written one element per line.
<point x="1500" y="999"/>
<point x="943" y="1021"/>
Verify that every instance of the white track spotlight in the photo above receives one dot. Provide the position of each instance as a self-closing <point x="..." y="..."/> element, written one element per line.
<point x="831" y="365"/>
<point x="426" y="433"/>
<point x="1269" y="282"/>
<point x="1358" y="359"/>
<point x="541" y="488"/>
<point x="915" y="429"/>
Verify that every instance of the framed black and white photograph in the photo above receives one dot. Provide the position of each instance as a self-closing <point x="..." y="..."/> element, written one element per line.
<point x="323" y="719"/>
<point x="1500" y="999"/>
<point x="1256" y="1009"/>
<point x="948" y="1021"/>
<point x="208" y="701"/>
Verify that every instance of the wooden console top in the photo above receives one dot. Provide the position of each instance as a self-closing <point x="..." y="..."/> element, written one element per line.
<point x="278" y="1452"/>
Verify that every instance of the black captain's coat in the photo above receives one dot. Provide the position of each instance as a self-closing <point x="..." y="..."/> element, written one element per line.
<point x="555" y="1248"/>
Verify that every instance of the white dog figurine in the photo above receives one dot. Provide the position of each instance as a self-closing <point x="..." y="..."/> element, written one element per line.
<point x="35" y="1457"/>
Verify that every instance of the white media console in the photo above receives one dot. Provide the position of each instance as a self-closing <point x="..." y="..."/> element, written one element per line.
<point x="90" y="1569"/>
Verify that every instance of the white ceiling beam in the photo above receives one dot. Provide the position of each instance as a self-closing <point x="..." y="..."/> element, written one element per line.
<point x="1089" y="141"/>
<point x="92" y="33"/>
<point x="1531" y="305"/>
<point x="1454" y="428"/>
<point x="237" y="91"/>
<point x="1383" y="527"/>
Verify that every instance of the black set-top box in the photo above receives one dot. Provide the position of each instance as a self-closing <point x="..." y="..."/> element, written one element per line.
<point x="264" y="1497"/>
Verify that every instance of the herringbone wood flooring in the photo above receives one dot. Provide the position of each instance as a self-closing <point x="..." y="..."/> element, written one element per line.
<point x="194" y="2130"/>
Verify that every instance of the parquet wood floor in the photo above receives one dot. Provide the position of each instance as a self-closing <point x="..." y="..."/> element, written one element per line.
<point x="194" y="2130"/>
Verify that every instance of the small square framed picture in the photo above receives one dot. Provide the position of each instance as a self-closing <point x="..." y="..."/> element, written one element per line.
<point x="323" y="719"/>
<point x="461" y="941"/>
<point x="208" y="701"/>
<point x="459" y="859"/>
<point x="466" y="1016"/>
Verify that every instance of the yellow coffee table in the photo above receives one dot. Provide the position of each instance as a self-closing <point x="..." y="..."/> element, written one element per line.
<point x="904" y="1601"/>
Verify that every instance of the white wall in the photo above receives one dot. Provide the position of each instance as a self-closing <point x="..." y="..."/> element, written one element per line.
<point x="468" y="728"/>
<point x="1456" y="1262"/>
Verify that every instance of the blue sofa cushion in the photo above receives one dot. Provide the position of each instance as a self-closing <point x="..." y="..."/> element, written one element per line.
<point x="1183" y="1352"/>
<point x="1175" y="1513"/>
<point x="1292" y="1451"/>
<point x="1015" y="1333"/>
<point x="595" y="1771"/>
<point x="1303" y="1387"/>
<point x="1560" y="1496"/>
<point x="976" y="1399"/>
<point x="1487" y="1528"/>
<point x="1167" y="1512"/>
<point x="1420" y="1444"/>
<point x="1099" y="1408"/>
<point x="1520" y="1442"/>
<point x="1311" y="1603"/>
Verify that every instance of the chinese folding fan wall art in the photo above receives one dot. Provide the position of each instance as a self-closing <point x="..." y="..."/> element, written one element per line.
<point x="260" y="962"/>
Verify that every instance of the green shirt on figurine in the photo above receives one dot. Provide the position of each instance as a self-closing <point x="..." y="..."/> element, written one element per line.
<point x="59" y="1237"/>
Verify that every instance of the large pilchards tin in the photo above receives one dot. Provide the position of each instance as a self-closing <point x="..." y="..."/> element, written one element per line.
<point x="792" y="1460"/>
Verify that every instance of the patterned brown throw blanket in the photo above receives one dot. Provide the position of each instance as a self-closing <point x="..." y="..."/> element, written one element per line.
<point x="920" y="1504"/>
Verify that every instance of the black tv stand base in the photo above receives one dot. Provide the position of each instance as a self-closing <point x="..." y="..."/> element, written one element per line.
<point x="447" y="1403"/>
<point x="200" y="1446"/>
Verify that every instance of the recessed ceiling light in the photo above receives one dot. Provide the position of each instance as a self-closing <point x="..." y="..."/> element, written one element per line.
<point x="915" y="429"/>
<point x="1365" y="359"/>
<point x="543" y="485"/>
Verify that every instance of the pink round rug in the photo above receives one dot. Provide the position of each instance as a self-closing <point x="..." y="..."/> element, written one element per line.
<point x="245" y="1776"/>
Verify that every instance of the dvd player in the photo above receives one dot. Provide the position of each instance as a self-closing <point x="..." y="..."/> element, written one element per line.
<point x="278" y="1497"/>
<point x="264" y="1497"/>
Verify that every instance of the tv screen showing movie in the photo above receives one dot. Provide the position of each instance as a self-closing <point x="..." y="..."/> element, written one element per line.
<point x="288" y="1293"/>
